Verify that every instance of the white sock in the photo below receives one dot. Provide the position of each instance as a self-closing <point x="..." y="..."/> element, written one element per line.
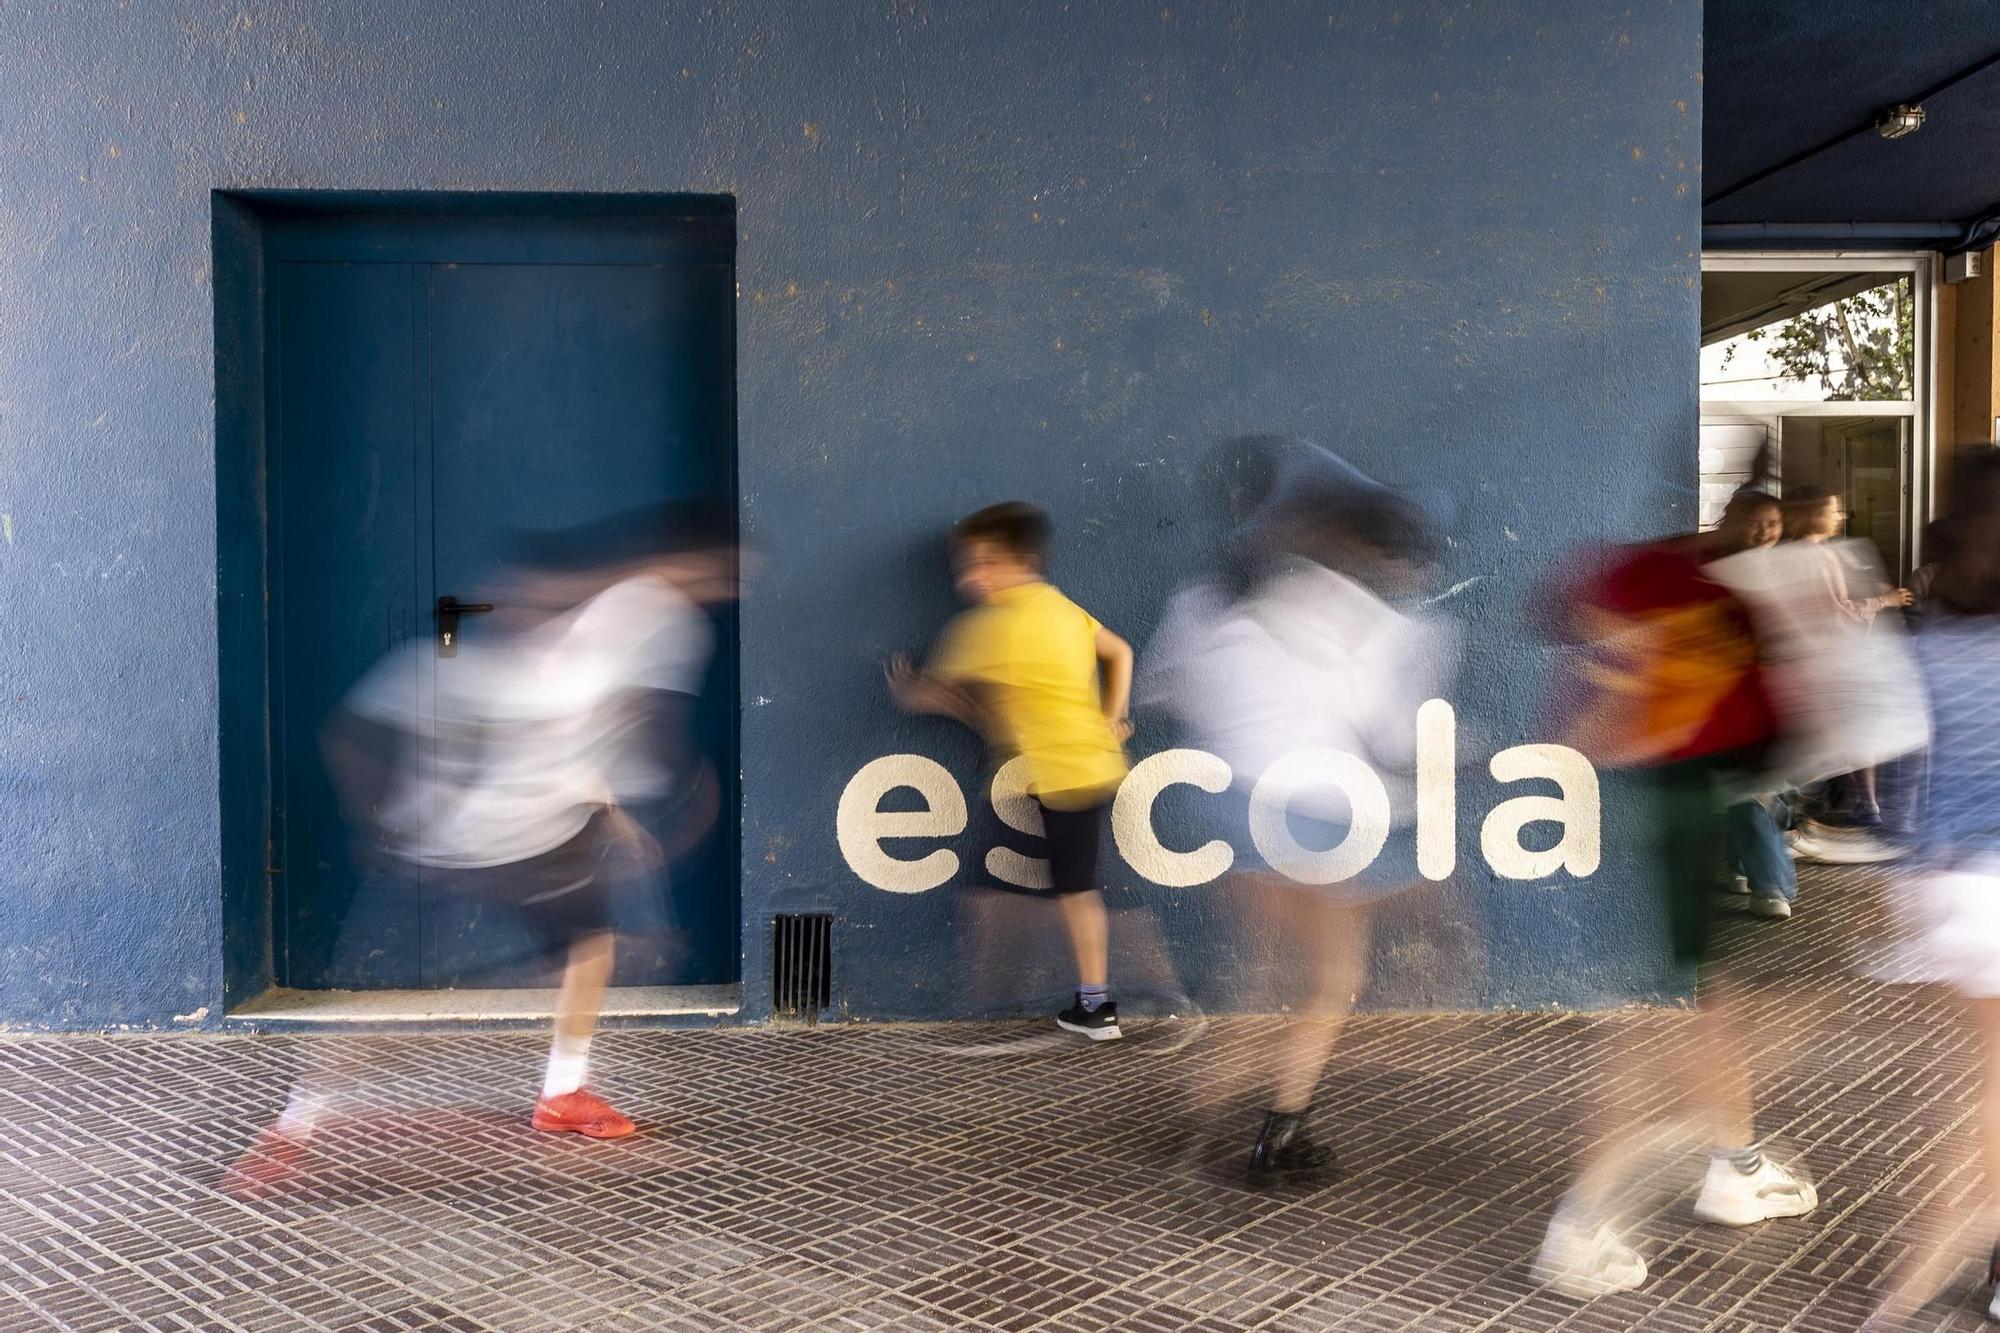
<point x="569" y="1064"/>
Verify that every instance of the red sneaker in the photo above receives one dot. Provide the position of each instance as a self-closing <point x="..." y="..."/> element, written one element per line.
<point x="581" y="1112"/>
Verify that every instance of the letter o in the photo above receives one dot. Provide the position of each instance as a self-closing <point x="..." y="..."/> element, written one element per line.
<point x="1367" y="829"/>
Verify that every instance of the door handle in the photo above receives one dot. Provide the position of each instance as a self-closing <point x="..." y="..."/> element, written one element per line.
<point x="449" y="609"/>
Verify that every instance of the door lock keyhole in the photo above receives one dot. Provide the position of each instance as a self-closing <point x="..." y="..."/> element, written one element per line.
<point x="449" y="609"/>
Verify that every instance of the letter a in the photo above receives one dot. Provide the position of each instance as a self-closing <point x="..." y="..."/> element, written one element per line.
<point x="1577" y="810"/>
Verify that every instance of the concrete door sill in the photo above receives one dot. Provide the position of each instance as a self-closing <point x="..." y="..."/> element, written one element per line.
<point x="281" y="1007"/>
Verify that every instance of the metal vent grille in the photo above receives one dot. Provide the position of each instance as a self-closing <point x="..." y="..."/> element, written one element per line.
<point x="801" y="965"/>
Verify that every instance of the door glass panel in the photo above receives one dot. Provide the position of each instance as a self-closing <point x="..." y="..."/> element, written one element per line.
<point x="1875" y="454"/>
<point x="1808" y="337"/>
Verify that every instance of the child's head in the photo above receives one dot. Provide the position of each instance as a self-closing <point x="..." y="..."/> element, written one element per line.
<point x="1370" y="534"/>
<point x="1751" y="521"/>
<point x="1248" y="468"/>
<point x="1001" y="546"/>
<point x="1812" y="514"/>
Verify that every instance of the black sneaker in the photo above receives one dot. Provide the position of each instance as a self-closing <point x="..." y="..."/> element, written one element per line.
<point x="1283" y="1151"/>
<point x="1099" y="1024"/>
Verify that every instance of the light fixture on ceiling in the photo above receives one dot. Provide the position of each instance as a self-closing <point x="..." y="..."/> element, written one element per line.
<point x="1899" y="120"/>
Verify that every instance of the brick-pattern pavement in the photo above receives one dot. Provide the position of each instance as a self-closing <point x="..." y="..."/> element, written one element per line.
<point x="990" y="1177"/>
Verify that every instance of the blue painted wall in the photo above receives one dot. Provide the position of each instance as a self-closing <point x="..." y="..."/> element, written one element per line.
<point x="985" y="250"/>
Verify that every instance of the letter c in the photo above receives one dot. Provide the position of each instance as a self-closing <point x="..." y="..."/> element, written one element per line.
<point x="1132" y="818"/>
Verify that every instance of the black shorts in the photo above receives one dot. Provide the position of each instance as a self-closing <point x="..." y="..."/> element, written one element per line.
<point x="1074" y="837"/>
<point x="559" y="895"/>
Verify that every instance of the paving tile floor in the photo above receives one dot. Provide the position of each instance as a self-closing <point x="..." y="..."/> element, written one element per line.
<point x="982" y="1176"/>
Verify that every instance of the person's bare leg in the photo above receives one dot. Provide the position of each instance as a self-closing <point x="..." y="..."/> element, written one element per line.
<point x="1334" y="937"/>
<point x="1329" y="943"/>
<point x="1639" y="1084"/>
<point x="1698" y="1068"/>
<point x="1743" y="1184"/>
<point x="585" y="976"/>
<point x="1262" y="904"/>
<point x="1929" y="1269"/>
<point x="1089" y="927"/>
<point x="1606" y="1163"/>
<point x="1706" y="1064"/>
<point x="1716" y="1068"/>
<point x="1986" y="1019"/>
<point x="565" y="1105"/>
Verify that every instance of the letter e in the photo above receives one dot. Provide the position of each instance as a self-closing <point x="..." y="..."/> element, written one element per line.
<point x="861" y="824"/>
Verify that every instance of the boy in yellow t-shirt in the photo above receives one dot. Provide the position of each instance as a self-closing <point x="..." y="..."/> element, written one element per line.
<point x="1038" y="677"/>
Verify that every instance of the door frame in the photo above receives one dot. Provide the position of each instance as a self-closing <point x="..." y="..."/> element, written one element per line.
<point x="251" y="229"/>
<point x="1925" y="273"/>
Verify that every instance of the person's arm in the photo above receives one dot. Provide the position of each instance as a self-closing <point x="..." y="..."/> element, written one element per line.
<point x="918" y="691"/>
<point x="1860" y="610"/>
<point x="1114" y="662"/>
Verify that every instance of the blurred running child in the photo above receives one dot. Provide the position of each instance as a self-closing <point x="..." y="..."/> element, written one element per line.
<point x="1674" y="691"/>
<point x="1959" y="892"/>
<point x="1314" y="657"/>
<point x="532" y="775"/>
<point x="1039" y="678"/>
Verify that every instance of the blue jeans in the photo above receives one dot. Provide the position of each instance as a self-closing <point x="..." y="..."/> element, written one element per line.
<point x="1758" y="849"/>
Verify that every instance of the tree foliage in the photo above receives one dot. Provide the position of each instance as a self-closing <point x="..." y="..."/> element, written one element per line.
<point x="1859" y="348"/>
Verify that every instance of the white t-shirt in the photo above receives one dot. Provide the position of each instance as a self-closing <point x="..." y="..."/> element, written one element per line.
<point x="1848" y="694"/>
<point x="527" y="737"/>
<point x="1312" y="660"/>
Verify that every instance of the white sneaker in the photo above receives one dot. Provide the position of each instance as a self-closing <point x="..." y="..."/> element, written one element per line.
<point x="1585" y="1262"/>
<point x="1733" y="1199"/>
<point x="1770" y="905"/>
<point x="1737" y="885"/>
<point x="1837" y="847"/>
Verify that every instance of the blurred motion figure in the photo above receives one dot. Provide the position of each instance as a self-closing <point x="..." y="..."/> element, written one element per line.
<point x="1958" y="890"/>
<point x="526" y="775"/>
<point x="1673" y="688"/>
<point x="1310" y="654"/>
<point x="1038" y="677"/>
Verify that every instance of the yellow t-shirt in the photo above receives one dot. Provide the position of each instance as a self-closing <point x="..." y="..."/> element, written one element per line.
<point x="1031" y="655"/>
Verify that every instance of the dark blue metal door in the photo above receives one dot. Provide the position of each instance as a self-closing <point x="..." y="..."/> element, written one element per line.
<point x="436" y="387"/>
